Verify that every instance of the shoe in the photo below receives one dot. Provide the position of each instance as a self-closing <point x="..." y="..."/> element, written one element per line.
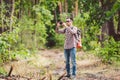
<point x="73" y="77"/>
<point x="67" y="76"/>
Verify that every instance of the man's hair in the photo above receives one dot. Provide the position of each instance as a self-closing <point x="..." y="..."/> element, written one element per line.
<point x="70" y="18"/>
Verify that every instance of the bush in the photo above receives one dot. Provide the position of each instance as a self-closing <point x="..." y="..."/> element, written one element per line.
<point x="59" y="39"/>
<point x="10" y="46"/>
<point x="110" y="52"/>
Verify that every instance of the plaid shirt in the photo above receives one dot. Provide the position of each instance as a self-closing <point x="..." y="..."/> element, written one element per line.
<point x="70" y="40"/>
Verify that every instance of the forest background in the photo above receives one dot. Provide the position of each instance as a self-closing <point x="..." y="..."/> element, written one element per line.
<point x="27" y="26"/>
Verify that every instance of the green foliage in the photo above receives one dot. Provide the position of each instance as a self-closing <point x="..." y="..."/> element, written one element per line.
<point x="59" y="39"/>
<point x="8" y="43"/>
<point x="46" y="31"/>
<point x="2" y="71"/>
<point x="34" y="33"/>
<point x="50" y="4"/>
<point x="63" y="16"/>
<point x="30" y="22"/>
<point x="33" y="26"/>
<point x="99" y="13"/>
<point x="115" y="9"/>
<point x="51" y="40"/>
<point x="110" y="51"/>
<point x="42" y="14"/>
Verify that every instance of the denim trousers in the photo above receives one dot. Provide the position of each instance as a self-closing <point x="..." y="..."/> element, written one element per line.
<point x="70" y="54"/>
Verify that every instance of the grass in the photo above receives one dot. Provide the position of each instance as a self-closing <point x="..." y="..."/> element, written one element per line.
<point x="116" y="64"/>
<point x="2" y="71"/>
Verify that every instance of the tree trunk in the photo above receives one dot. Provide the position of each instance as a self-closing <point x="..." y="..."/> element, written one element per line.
<point x="118" y="29"/>
<point x="76" y="7"/>
<point x="2" y="23"/>
<point x="104" y="32"/>
<point x="60" y="7"/>
<point x="66" y="6"/>
<point x="35" y="21"/>
<point x="6" y="14"/>
<point x="108" y="26"/>
<point x="11" y="16"/>
<point x="55" y="16"/>
<point x="20" y="10"/>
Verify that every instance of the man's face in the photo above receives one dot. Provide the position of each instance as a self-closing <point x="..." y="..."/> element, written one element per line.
<point x="68" y="22"/>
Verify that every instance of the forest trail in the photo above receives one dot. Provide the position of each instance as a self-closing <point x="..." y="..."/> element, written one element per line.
<point x="50" y="65"/>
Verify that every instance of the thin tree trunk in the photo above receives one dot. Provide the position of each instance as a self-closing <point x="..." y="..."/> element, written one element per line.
<point x="11" y="17"/>
<point x="104" y="29"/>
<point x="20" y="9"/>
<point x="19" y="16"/>
<point x="66" y="6"/>
<point x="76" y="7"/>
<point x="2" y="16"/>
<point x="11" y="20"/>
<point x="35" y="32"/>
<point x="55" y="16"/>
<point x="118" y="29"/>
<point x="104" y="32"/>
<point x="60" y="7"/>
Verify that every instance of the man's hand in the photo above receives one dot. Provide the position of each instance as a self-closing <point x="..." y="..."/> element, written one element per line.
<point x="64" y="24"/>
<point x="58" y="25"/>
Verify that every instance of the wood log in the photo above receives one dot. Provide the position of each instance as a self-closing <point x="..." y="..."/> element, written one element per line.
<point x="10" y="71"/>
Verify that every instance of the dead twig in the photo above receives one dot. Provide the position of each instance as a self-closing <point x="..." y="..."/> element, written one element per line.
<point x="43" y="78"/>
<point x="62" y="76"/>
<point x="47" y="76"/>
<point x="50" y="76"/>
<point x="10" y="71"/>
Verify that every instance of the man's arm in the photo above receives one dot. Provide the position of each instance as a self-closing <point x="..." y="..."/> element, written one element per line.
<point x="72" y="30"/>
<point x="58" y="30"/>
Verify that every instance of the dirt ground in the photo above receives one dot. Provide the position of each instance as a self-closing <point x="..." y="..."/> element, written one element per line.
<point x="50" y="65"/>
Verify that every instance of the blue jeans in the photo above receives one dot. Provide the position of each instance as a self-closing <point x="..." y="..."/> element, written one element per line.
<point x="70" y="53"/>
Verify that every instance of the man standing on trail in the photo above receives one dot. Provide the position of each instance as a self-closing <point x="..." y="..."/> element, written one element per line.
<point x="69" y="45"/>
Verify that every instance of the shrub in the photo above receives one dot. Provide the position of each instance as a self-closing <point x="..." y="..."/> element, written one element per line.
<point x="110" y="52"/>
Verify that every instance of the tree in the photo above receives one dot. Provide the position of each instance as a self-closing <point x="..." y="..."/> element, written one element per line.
<point x="107" y="6"/>
<point x="102" y="13"/>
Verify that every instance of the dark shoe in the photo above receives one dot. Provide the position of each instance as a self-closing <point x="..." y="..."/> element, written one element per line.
<point x="67" y="76"/>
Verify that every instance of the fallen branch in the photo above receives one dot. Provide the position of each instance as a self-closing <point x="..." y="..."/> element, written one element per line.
<point x="10" y="71"/>
<point x="50" y="76"/>
<point x="62" y="76"/>
<point x="43" y="78"/>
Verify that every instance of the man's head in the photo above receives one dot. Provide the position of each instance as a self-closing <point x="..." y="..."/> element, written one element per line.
<point x="69" y="22"/>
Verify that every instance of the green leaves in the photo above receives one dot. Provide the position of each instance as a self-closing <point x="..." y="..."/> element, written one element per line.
<point x="110" y="51"/>
<point x="3" y="71"/>
<point x="113" y="11"/>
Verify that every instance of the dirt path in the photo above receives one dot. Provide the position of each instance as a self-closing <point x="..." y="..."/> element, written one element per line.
<point x="50" y="65"/>
<point x="88" y="66"/>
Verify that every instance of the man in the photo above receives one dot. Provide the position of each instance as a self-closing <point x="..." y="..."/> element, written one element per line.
<point x="69" y="45"/>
